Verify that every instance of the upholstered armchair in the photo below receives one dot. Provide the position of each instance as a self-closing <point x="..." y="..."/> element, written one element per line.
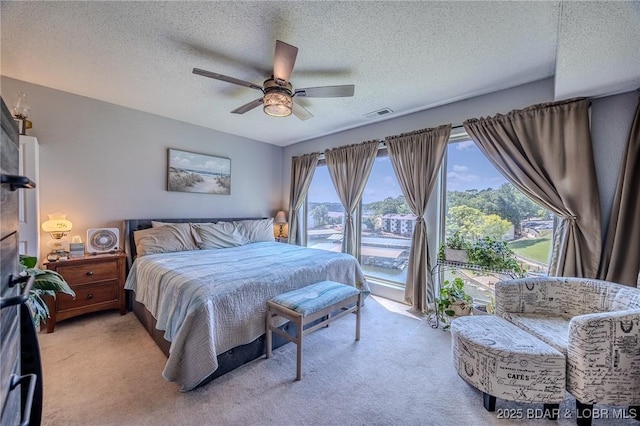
<point x="595" y="323"/>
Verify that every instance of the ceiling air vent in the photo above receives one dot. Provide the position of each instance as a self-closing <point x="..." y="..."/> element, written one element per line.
<point x="378" y="113"/>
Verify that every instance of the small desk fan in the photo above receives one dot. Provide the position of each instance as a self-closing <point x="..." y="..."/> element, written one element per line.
<point x="103" y="240"/>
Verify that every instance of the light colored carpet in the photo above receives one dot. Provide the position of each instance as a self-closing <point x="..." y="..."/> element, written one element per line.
<point x="103" y="369"/>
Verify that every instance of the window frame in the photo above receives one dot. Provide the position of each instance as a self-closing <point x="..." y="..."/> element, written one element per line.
<point x="434" y="215"/>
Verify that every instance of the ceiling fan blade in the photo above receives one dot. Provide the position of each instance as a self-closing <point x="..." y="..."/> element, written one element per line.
<point x="247" y="107"/>
<point x="326" y="91"/>
<point x="228" y="79"/>
<point x="283" y="61"/>
<point x="301" y="112"/>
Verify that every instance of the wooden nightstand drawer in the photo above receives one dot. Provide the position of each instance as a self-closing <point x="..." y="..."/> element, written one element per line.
<point x="83" y="274"/>
<point x="98" y="281"/>
<point x="89" y="295"/>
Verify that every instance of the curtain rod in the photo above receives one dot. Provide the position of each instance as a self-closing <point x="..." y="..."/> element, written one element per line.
<point x="382" y="143"/>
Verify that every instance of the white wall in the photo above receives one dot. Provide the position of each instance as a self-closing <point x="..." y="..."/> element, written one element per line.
<point x="101" y="163"/>
<point x="611" y="119"/>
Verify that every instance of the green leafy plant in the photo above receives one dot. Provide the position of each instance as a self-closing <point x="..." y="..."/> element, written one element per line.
<point x="455" y="242"/>
<point x="47" y="283"/>
<point x="496" y="255"/>
<point x="450" y="296"/>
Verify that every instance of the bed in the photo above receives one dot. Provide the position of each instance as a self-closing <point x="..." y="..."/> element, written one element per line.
<point x="204" y="301"/>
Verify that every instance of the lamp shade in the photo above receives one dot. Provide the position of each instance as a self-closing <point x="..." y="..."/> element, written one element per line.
<point x="277" y="104"/>
<point x="57" y="224"/>
<point x="281" y="217"/>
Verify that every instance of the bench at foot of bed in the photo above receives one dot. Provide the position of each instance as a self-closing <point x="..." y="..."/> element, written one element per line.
<point x="308" y="304"/>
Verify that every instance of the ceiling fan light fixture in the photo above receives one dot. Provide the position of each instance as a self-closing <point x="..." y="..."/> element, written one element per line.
<point x="277" y="104"/>
<point x="277" y="92"/>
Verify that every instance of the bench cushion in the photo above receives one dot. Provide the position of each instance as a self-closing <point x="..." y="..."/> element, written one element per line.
<point x="315" y="297"/>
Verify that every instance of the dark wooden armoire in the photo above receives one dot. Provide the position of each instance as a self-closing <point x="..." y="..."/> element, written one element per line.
<point x="20" y="367"/>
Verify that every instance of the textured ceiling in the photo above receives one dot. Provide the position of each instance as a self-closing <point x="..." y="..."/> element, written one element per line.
<point x="407" y="56"/>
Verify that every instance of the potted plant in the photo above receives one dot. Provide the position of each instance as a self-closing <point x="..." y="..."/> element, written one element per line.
<point x="452" y="301"/>
<point x="46" y="283"/>
<point x="496" y="255"/>
<point x="455" y="249"/>
<point x="484" y="308"/>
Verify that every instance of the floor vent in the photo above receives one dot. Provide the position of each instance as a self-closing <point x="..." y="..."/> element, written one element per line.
<point x="379" y="113"/>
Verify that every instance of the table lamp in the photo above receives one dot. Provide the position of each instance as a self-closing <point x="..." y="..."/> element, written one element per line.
<point x="57" y="227"/>
<point x="280" y="219"/>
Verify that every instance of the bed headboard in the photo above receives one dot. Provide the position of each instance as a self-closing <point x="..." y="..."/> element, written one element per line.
<point x="131" y="225"/>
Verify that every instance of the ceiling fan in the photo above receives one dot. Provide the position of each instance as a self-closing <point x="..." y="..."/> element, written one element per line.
<point x="278" y="94"/>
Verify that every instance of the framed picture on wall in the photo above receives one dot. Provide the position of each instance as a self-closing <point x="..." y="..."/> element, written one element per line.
<point x="191" y="172"/>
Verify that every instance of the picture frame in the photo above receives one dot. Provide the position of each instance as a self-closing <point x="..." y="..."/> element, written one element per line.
<point x="193" y="172"/>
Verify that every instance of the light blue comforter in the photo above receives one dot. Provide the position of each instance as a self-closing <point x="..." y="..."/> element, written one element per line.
<point x="209" y="301"/>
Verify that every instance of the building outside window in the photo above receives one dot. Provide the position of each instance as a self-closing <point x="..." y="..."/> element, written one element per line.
<point x="386" y="221"/>
<point x="387" y="225"/>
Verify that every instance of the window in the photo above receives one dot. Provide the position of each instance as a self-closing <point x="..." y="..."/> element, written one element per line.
<point x="387" y="225"/>
<point x="480" y="202"/>
<point x="324" y="211"/>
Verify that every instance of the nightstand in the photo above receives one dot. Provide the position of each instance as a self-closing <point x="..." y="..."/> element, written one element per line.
<point x="97" y="280"/>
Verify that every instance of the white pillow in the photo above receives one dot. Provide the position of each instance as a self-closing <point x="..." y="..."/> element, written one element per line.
<point x="163" y="239"/>
<point x="183" y="231"/>
<point x="218" y="235"/>
<point x="156" y="224"/>
<point x="256" y="231"/>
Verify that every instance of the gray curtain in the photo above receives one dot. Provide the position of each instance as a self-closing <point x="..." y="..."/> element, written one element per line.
<point x="302" y="169"/>
<point x="416" y="159"/>
<point x="349" y="168"/>
<point x="545" y="151"/>
<point x="620" y="260"/>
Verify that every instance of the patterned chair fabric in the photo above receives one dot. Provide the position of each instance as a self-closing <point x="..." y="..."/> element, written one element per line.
<point x="504" y="361"/>
<point x="595" y="323"/>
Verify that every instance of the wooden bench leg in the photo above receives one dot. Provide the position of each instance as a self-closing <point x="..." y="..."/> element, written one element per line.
<point x="268" y="333"/>
<point x="358" y="317"/>
<point x="320" y="317"/>
<point x="300" y="334"/>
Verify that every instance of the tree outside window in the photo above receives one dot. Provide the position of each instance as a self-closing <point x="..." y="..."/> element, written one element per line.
<point x="479" y="203"/>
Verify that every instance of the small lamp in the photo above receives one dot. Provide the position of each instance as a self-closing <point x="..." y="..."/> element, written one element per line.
<point x="57" y="227"/>
<point x="280" y="219"/>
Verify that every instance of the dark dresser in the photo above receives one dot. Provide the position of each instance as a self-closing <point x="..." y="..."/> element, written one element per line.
<point x="20" y="367"/>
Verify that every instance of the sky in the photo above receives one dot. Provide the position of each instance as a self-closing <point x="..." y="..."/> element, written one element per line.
<point x="467" y="168"/>
<point x="199" y="162"/>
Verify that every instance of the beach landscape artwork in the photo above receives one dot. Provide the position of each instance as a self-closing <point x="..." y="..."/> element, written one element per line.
<point x="191" y="172"/>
